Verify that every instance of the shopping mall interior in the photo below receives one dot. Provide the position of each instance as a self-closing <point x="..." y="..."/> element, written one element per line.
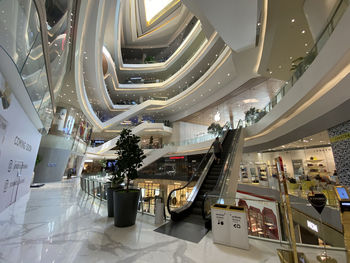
<point x="175" y="131"/>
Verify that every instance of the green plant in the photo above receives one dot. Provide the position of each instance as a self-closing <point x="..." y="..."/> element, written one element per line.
<point x="149" y="59"/>
<point x="38" y="160"/>
<point x="103" y="163"/>
<point x="215" y="129"/>
<point x="254" y="115"/>
<point x="130" y="156"/>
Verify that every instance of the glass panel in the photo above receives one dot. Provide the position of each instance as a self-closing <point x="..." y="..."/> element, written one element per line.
<point x="19" y="26"/>
<point x="34" y="74"/>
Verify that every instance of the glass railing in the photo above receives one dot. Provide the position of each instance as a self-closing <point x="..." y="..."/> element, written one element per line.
<point x="299" y="189"/>
<point x="182" y="84"/>
<point x="21" y="38"/>
<point x="266" y="220"/>
<point x="156" y="55"/>
<point x="307" y="60"/>
<point x="130" y="77"/>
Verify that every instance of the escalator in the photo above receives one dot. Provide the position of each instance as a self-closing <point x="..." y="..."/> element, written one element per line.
<point x="209" y="177"/>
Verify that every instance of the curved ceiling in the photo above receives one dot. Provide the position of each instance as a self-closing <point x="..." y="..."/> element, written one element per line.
<point x="166" y="24"/>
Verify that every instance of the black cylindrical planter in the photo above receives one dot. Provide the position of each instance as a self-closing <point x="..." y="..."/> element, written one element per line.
<point x="125" y="207"/>
<point x="110" y="206"/>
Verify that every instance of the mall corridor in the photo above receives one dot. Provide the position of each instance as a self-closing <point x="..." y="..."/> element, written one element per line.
<point x="55" y="224"/>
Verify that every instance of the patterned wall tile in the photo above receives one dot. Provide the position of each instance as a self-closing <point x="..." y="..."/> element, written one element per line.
<point x="340" y="142"/>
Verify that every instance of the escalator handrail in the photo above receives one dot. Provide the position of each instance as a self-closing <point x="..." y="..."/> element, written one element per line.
<point x="224" y="171"/>
<point x="228" y="161"/>
<point x="194" y="175"/>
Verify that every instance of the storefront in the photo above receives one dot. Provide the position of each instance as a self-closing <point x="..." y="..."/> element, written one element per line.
<point x="308" y="165"/>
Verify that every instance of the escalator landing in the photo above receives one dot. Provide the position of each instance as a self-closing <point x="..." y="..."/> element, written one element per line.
<point x="183" y="230"/>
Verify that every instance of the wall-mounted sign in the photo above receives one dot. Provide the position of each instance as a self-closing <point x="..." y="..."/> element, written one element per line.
<point x="312" y="226"/>
<point x="19" y="144"/>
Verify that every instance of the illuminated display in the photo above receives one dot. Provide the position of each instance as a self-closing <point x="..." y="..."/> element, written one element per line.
<point x="343" y="194"/>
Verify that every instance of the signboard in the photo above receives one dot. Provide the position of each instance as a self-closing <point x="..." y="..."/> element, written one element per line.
<point x="342" y="193"/>
<point x="229" y="226"/>
<point x="19" y="143"/>
<point x="318" y="201"/>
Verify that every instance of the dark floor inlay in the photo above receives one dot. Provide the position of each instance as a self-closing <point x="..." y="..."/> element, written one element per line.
<point x="183" y="230"/>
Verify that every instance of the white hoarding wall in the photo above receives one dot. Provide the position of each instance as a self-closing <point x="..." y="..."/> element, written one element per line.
<point x="19" y="144"/>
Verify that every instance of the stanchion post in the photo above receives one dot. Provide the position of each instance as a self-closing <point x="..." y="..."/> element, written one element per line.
<point x="288" y="209"/>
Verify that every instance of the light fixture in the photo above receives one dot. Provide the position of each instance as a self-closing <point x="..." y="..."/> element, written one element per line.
<point x="293" y="20"/>
<point x="305" y="44"/>
<point x="303" y="32"/>
<point x="219" y="82"/>
<point x="290" y="58"/>
<point x="217" y="116"/>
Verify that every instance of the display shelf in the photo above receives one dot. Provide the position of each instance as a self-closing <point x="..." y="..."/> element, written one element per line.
<point x="314" y="161"/>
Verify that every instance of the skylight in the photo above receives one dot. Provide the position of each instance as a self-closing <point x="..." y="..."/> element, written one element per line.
<point x="154" y="8"/>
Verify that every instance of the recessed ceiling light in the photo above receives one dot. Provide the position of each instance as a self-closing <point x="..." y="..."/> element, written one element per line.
<point x="194" y="99"/>
<point x="201" y="95"/>
<point x="293" y="20"/>
<point x="200" y="71"/>
<point x="291" y="58"/>
<point x="303" y="32"/>
<point x="259" y="24"/>
<point x="279" y="66"/>
<point x="219" y="82"/>
<point x="305" y="44"/>
<point x="208" y="64"/>
<point x="270" y="72"/>
<point x="209" y="89"/>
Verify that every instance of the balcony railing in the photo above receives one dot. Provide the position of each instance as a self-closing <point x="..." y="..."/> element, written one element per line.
<point x="307" y="60"/>
<point x="157" y="55"/>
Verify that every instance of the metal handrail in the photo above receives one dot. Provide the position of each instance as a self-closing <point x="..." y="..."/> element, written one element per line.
<point x="231" y="151"/>
<point x="225" y="169"/>
<point x="194" y="175"/>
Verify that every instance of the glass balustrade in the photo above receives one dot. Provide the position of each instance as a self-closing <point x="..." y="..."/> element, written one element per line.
<point x="130" y="77"/>
<point x="21" y="39"/>
<point x="307" y="60"/>
<point x="156" y="55"/>
<point x="185" y="82"/>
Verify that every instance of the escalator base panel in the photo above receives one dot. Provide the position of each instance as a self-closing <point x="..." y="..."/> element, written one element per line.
<point x="183" y="230"/>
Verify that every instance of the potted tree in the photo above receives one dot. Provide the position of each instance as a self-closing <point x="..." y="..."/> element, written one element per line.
<point x="114" y="184"/>
<point x="129" y="158"/>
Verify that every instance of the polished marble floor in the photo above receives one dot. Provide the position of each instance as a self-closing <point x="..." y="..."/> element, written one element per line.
<point x="59" y="223"/>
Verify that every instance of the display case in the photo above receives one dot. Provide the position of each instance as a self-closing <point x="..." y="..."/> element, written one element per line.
<point x="262" y="174"/>
<point x="244" y="174"/>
